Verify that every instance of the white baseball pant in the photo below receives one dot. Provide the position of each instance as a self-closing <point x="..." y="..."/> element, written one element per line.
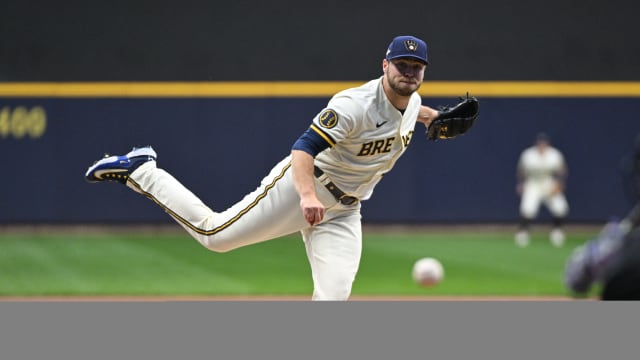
<point x="273" y="210"/>
<point x="535" y="194"/>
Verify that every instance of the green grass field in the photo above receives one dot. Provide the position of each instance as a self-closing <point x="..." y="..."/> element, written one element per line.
<point x="114" y="263"/>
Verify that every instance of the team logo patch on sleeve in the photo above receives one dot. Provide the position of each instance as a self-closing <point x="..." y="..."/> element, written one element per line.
<point x="328" y="119"/>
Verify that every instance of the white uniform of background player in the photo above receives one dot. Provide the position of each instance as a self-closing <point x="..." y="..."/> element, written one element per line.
<point x="542" y="172"/>
<point x="317" y="189"/>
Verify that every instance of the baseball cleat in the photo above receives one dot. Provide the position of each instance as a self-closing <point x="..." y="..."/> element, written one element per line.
<point x="522" y="238"/>
<point x="557" y="237"/>
<point x="118" y="168"/>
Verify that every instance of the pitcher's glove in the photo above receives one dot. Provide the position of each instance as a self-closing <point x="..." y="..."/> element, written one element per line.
<point x="454" y="120"/>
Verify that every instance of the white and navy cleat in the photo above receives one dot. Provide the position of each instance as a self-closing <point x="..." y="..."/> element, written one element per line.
<point x="557" y="237"/>
<point x="118" y="168"/>
<point x="522" y="238"/>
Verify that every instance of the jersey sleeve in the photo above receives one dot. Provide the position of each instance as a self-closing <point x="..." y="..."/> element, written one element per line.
<point x="336" y="121"/>
<point x="311" y="143"/>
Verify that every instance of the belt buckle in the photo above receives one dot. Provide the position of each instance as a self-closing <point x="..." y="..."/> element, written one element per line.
<point x="348" y="200"/>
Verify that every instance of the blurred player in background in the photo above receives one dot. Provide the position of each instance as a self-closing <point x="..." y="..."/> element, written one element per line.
<point x="541" y="179"/>
<point x="612" y="259"/>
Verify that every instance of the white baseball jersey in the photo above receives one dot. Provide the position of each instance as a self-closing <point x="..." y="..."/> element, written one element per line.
<point x="540" y="170"/>
<point x="366" y="134"/>
<point x="541" y="166"/>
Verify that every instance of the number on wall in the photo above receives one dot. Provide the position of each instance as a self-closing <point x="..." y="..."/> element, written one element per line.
<point x="22" y="122"/>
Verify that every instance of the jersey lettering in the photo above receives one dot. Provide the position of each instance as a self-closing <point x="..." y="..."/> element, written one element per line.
<point x="376" y="147"/>
<point x="406" y="139"/>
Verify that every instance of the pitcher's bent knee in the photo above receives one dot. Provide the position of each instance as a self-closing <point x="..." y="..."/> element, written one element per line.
<point x="210" y="243"/>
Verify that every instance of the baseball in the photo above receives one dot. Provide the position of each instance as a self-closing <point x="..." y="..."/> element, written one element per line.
<point x="427" y="272"/>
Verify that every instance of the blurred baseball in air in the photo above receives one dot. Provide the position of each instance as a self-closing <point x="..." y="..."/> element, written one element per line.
<point x="427" y="272"/>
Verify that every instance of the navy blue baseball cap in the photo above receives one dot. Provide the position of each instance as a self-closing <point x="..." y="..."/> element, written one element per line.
<point x="541" y="136"/>
<point x="407" y="47"/>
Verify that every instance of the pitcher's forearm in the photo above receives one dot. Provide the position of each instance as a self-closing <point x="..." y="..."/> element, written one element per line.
<point x="302" y="167"/>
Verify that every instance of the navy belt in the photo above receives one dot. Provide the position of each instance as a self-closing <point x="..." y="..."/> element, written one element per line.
<point x="343" y="198"/>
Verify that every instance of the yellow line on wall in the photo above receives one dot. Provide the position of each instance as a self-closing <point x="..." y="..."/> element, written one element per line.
<point x="239" y="89"/>
<point x="534" y="89"/>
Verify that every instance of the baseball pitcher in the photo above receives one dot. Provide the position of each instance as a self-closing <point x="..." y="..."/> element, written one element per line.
<point x="319" y="187"/>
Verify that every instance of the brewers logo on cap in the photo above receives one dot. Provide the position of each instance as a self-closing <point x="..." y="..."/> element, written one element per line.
<point x="328" y="119"/>
<point x="407" y="46"/>
<point x="411" y="45"/>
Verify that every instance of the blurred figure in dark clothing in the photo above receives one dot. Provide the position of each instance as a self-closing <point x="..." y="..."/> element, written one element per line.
<point x="612" y="259"/>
